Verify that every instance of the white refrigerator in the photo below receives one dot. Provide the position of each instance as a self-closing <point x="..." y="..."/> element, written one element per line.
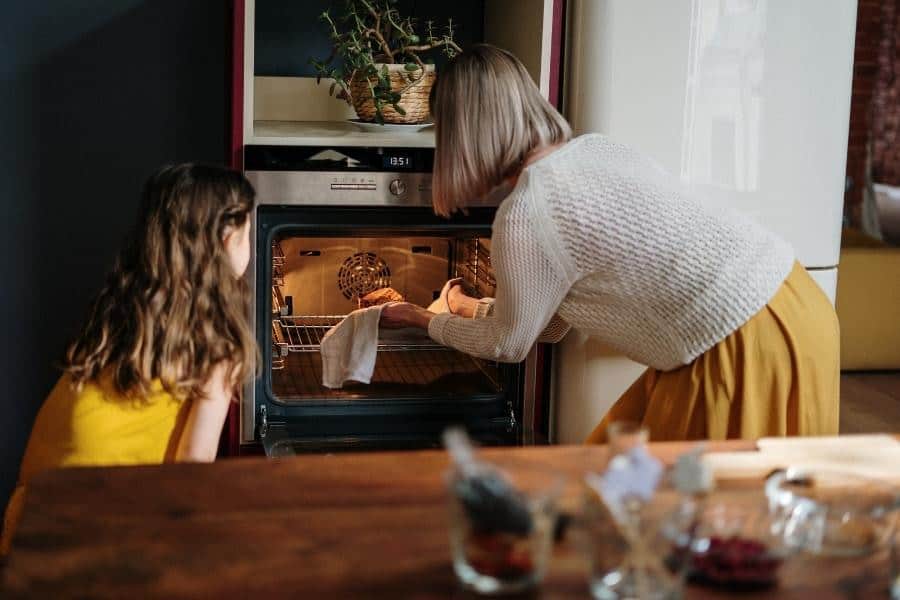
<point x="747" y="101"/>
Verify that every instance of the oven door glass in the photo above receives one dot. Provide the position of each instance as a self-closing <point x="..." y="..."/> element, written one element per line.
<point x="317" y="281"/>
<point x="314" y="265"/>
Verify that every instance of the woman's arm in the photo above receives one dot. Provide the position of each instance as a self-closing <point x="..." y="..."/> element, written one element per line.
<point x="466" y="306"/>
<point x="200" y="439"/>
<point x="555" y="330"/>
<point x="528" y="295"/>
<point x="533" y="277"/>
<point x="531" y="284"/>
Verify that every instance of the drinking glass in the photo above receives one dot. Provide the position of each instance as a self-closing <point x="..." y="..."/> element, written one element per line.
<point x="638" y="556"/>
<point x="629" y="556"/>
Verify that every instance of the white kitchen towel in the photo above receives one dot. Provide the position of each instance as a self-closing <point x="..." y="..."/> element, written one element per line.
<point x="350" y="347"/>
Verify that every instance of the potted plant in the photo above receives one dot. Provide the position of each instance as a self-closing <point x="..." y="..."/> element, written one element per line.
<point x="383" y="75"/>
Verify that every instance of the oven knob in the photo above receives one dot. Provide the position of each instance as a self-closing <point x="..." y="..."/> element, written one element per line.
<point x="397" y="187"/>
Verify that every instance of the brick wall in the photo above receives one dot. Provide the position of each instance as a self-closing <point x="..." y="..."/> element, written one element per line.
<point x="869" y="30"/>
<point x="885" y="105"/>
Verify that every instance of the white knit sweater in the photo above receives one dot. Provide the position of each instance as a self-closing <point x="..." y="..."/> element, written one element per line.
<point x="601" y="237"/>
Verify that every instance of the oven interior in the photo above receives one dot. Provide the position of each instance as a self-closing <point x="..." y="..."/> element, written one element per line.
<point x="317" y="281"/>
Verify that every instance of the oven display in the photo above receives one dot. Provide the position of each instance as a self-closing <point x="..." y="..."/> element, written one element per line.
<point x="397" y="161"/>
<point x="339" y="158"/>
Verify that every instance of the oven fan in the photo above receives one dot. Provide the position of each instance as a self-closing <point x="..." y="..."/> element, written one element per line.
<point x="362" y="273"/>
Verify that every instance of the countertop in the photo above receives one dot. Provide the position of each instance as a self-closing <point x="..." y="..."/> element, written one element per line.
<point x="368" y="525"/>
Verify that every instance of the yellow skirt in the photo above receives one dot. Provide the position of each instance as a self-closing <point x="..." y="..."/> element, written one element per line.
<point x="777" y="375"/>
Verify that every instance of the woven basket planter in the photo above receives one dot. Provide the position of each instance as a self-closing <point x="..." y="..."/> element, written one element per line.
<point x="414" y="100"/>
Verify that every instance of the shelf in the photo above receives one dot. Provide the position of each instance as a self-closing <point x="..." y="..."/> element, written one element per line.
<point x="334" y="133"/>
<point x="304" y="334"/>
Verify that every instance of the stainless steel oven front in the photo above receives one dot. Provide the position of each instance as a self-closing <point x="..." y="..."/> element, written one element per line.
<point x="332" y="225"/>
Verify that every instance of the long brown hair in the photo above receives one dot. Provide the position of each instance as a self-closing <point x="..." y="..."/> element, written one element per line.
<point x="172" y="308"/>
<point x="489" y="116"/>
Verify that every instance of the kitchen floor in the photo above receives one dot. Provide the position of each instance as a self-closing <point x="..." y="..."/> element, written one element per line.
<point x="870" y="402"/>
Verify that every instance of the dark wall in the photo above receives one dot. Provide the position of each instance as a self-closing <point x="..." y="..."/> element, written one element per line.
<point x="289" y="33"/>
<point x="94" y="95"/>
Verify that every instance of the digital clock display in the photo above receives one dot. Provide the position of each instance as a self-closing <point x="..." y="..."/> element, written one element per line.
<point x="397" y="161"/>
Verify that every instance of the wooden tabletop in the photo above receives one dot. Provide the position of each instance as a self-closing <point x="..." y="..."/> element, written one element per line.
<point x="318" y="526"/>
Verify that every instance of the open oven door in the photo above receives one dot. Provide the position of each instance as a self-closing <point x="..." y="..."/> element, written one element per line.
<point x="317" y="261"/>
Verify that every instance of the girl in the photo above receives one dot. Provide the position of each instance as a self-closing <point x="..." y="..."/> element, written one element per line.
<point x="151" y="375"/>
<point x="739" y="340"/>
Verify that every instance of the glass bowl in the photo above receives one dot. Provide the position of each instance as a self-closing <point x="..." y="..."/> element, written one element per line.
<point x="830" y="512"/>
<point x="732" y="542"/>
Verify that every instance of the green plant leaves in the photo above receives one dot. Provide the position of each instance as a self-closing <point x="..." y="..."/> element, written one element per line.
<point x="369" y="34"/>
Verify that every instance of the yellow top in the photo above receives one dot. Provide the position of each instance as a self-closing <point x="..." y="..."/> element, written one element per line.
<point x="96" y="427"/>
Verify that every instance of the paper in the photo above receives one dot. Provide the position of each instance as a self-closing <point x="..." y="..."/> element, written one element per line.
<point x="634" y="475"/>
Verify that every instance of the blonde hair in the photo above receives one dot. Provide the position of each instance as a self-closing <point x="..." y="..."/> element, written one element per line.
<point x="172" y="308"/>
<point x="489" y="116"/>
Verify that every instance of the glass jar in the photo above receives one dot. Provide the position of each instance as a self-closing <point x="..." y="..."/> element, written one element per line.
<point x="501" y="526"/>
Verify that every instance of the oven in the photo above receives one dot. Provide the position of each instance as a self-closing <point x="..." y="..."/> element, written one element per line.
<point x="333" y="224"/>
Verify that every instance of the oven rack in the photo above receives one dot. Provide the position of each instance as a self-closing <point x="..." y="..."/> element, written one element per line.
<point x="279" y="306"/>
<point x="476" y="269"/>
<point x="279" y="348"/>
<point x="304" y="333"/>
<point x="277" y="276"/>
<point x="396" y="374"/>
<point x="277" y="255"/>
<point x="478" y="275"/>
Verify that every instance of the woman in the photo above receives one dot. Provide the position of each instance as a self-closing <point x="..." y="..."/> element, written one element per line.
<point x="739" y="341"/>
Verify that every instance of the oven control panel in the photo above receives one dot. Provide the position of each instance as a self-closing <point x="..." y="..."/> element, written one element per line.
<point x="397" y="187"/>
<point x="357" y="176"/>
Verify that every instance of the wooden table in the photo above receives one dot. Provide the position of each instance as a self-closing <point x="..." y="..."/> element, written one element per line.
<point x="319" y="526"/>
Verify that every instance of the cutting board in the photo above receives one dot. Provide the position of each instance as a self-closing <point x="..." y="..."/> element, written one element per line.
<point x="875" y="456"/>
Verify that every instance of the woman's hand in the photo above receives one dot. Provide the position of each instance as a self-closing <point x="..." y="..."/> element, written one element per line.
<point x="457" y="301"/>
<point x="396" y="315"/>
<point x="449" y="292"/>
